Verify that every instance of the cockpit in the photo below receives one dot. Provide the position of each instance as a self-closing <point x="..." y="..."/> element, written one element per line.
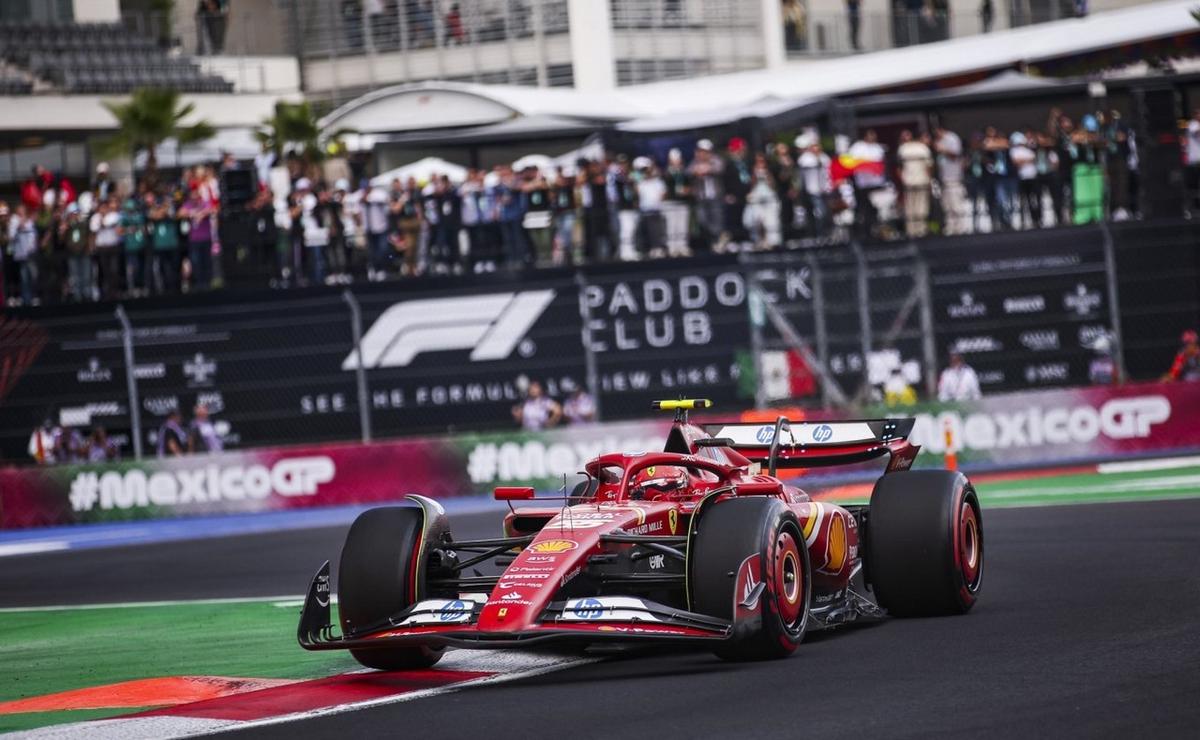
<point x="644" y="480"/>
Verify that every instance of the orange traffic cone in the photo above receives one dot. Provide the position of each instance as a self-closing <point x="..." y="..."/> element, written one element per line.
<point x="951" y="452"/>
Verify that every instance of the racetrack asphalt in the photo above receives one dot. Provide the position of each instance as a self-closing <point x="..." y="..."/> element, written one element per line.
<point x="1088" y="626"/>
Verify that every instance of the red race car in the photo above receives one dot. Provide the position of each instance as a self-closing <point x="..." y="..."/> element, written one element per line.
<point x="695" y="544"/>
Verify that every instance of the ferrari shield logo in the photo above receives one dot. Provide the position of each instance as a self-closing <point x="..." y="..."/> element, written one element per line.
<point x="672" y="520"/>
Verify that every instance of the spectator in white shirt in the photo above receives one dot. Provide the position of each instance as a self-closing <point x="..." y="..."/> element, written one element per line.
<point x="651" y="192"/>
<point x="916" y="174"/>
<point x="1024" y="160"/>
<point x="580" y="407"/>
<point x="537" y="411"/>
<point x="106" y="238"/>
<point x="815" y="183"/>
<point x="375" y="223"/>
<point x="868" y="177"/>
<point x="950" y="176"/>
<point x="23" y="246"/>
<point x="676" y="214"/>
<point x="761" y="217"/>
<point x="958" y="381"/>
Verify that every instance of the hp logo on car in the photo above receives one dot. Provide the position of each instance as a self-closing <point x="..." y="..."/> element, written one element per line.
<point x="452" y="611"/>
<point x="823" y="433"/>
<point x="589" y="609"/>
<point x="765" y="435"/>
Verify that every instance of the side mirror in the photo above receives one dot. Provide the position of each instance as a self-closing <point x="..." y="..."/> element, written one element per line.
<point x="514" y="493"/>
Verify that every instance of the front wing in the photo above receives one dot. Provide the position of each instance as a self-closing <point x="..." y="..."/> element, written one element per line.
<point x="562" y="624"/>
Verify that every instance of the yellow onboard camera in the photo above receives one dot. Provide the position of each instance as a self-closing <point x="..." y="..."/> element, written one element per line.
<point x="682" y="406"/>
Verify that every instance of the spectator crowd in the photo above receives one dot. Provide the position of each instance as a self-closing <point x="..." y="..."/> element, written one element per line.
<point x="52" y="443"/>
<point x="104" y="243"/>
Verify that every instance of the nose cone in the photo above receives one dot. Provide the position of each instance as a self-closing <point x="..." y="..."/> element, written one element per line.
<point x="532" y="580"/>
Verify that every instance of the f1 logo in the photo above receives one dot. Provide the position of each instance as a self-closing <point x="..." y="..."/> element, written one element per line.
<point x="489" y="325"/>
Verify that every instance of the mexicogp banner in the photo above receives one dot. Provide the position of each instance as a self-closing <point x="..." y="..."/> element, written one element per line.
<point x="1050" y="427"/>
<point x="1041" y="428"/>
<point x="278" y="478"/>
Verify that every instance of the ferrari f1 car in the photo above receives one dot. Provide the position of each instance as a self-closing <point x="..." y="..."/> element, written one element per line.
<point x="694" y="544"/>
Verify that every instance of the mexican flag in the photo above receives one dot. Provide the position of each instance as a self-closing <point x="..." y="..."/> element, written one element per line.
<point x="785" y="375"/>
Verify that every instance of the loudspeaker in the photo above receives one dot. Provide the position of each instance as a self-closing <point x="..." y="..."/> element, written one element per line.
<point x="237" y="187"/>
<point x="1156" y="123"/>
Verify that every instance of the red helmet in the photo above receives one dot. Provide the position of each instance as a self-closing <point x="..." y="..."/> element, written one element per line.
<point x="1189" y="337"/>
<point x="656" y="480"/>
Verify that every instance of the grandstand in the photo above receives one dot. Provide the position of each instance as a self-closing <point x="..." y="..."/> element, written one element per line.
<point x="91" y="58"/>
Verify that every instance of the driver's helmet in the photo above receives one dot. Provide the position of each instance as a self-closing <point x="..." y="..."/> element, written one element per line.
<point x="655" y="480"/>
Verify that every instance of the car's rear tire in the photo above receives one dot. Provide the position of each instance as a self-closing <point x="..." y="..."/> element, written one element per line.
<point x="924" y="543"/>
<point x="375" y="581"/>
<point x="728" y="534"/>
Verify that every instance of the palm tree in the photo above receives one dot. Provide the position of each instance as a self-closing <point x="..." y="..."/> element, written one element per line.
<point x="150" y="117"/>
<point x="296" y="129"/>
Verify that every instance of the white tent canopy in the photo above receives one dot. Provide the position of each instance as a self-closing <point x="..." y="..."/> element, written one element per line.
<point x="423" y="170"/>
<point x="239" y="142"/>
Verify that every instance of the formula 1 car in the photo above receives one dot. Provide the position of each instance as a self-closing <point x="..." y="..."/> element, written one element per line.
<point x="694" y="544"/>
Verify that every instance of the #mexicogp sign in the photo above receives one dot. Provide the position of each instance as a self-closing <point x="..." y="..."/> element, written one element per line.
<point x="1049" y="427"/>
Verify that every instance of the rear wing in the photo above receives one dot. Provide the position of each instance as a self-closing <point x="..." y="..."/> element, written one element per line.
<point x="814" y="444"/>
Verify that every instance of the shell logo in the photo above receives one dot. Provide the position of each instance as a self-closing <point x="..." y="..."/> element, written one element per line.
<point x="553" y="546"/>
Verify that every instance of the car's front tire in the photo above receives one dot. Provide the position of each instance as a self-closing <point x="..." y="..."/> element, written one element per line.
<point x="760" y="533"/>
<point x="379" y="576"/>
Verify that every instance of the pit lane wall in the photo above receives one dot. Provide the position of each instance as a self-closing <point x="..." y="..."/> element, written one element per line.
<point x="1041" y="428"/>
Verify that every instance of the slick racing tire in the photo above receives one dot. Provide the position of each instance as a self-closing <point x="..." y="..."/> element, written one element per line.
<point x="374" y="581"/>
<point x="756" y="532"/>
<point x="924" y="543"/>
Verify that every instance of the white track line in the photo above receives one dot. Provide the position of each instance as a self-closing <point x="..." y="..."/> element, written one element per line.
<point x="29" y="548"/>
<point x="287" y="599"/>
<point x="138" y="728"/>
<point x="1166" y="483"/>
<point x="1144" y="466"/>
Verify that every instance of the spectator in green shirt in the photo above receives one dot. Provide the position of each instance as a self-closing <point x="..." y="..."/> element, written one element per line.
<point x="164" y="238"/>
<point x="80" y="276"/>
<point x="133" y="236"/>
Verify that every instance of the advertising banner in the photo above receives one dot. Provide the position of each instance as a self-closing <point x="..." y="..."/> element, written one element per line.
<point x="1041" y="428"/>
<point x="314" y="475"/>
<point x="1064" y="425"/>
<point x="1025" y="312"/>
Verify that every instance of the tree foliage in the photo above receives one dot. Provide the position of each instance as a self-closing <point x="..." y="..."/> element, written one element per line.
<point x="296" y="129"/>
<point x="147" y="119"/>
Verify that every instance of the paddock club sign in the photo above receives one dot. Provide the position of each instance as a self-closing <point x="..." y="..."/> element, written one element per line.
<point x="440" y="354"/>
<point x="463" y="358"/>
